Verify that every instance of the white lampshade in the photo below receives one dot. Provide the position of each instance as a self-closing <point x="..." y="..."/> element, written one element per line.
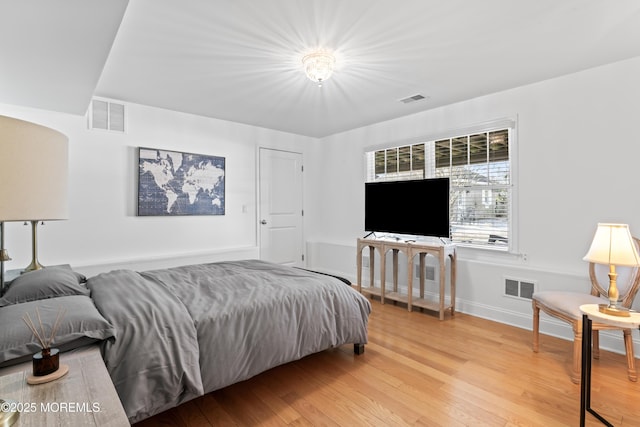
<point x="33" y="172"/>
<point x="613" y="245"/>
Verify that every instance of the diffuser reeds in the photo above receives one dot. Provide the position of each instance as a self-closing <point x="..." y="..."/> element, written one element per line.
<point x="40" y="335"/>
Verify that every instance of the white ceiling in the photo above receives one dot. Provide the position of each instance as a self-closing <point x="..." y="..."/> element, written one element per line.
<point x="239" y="60"/>
<point x="52" y="52"/>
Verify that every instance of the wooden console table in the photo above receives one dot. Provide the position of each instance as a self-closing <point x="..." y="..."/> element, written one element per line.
<point x="410" y="249"/>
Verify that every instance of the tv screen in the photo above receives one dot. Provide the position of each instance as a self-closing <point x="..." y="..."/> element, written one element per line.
<point x="416" y="207"/>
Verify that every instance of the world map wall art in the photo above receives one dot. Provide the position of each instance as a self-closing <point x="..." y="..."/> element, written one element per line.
<point x="175" y="183"/>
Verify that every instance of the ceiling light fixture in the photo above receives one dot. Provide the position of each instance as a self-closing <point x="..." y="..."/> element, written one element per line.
<point x="319" y="66"/>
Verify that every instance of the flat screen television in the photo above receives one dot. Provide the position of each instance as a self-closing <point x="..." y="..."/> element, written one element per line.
<point x="416" y="207"/>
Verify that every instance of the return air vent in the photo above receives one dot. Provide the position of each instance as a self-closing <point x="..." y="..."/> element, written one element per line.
<point x="107" y="115"/>
<point x="519" y="288"/>
<point x="413" y="98"/>
<point x="429" y="272"/>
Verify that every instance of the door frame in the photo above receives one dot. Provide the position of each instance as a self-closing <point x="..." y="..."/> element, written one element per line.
<point x="259" y="214"/>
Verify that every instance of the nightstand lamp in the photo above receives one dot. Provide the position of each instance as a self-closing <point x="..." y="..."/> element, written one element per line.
<point x="33" y="176"/>
<point x="4" y="257"/>
<point x="613" y="246"/>
<point x="33" y="187"/>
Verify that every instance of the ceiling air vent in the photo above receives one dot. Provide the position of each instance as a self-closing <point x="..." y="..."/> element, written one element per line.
<point x="413" y="98"/>
<point x="107" y="115"/>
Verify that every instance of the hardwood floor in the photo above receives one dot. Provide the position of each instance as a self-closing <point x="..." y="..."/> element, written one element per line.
<point x="419" y="371"/>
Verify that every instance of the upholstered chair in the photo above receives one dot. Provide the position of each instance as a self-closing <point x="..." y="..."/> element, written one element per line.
<point x="565" y="306"/>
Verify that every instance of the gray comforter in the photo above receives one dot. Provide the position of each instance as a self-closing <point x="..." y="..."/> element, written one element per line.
<point x="186" y="331"/>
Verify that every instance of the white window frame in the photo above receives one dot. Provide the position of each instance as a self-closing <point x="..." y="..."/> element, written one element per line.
<point x="509" y="123"/>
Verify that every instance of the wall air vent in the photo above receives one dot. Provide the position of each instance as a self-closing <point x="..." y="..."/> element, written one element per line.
<point x="413" y="98"/>
<point x="429" y="272"/>
<point x="519" y="288"/>
<point x="107" y="115"/>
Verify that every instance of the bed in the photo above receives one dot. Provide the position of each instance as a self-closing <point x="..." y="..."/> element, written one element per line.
<point x="170" y="335"/>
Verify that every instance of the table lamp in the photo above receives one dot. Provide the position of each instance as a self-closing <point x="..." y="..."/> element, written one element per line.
<point x="33" y="176"/>
<point x="4" y="257"/>
<point x="33" y="187"/>
<point x="613" y="245"/>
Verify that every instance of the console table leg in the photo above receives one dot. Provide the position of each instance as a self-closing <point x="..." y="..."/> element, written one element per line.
<point x="410" y="283"/>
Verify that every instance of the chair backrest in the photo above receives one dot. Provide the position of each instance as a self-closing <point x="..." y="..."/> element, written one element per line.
<point x="628" y="280"/>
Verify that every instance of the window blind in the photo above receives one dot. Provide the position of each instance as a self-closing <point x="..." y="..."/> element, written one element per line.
<point x="478" y="166"/>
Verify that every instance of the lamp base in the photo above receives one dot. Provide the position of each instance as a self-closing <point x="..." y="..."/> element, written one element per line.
<point x="9" y="413"/>
<point x="614" y="311"/>
<point x="35" y="264"/>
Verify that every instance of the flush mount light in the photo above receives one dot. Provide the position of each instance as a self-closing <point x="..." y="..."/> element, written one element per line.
<point x="319" y="66"/>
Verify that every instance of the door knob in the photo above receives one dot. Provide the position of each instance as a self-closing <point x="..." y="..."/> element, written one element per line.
<point x="263" y="222"/>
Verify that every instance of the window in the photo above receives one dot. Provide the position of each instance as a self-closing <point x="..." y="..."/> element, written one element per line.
<point x="479" y="169"/>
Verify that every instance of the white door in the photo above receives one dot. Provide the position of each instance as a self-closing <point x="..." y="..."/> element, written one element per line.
<point x="281" y="207"/>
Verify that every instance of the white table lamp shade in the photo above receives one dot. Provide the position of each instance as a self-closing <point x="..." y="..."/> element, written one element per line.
<point x="613" y="245"/>
<point x="33" y="172"/>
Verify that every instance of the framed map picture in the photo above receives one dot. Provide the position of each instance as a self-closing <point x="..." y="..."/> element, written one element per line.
<point x="175" y="183"/>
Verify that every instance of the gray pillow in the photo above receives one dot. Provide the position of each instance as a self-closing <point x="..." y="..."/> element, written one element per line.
<point x="48" y="282"/>
<point x="82" y="324"/>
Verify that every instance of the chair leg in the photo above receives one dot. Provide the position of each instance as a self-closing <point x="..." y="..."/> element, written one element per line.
<point x="595" y="341"/>
<point x="631" y="361"/>
<point x="536" y="327"/>
<point x="576" y="367"/>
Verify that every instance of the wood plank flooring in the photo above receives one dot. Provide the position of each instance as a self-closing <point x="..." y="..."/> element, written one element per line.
<point x="419" y="371"/>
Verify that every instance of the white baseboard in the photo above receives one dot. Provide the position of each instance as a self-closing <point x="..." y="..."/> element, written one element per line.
<point x="609" y="340"/>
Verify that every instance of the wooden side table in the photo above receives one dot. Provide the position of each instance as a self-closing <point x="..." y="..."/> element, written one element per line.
<point x="83" y="397"/>
<point x="591" y="311"/>
<point x="440" y="252"/>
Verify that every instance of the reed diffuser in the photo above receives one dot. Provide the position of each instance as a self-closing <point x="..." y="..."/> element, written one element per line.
<point x="47" y="360"/>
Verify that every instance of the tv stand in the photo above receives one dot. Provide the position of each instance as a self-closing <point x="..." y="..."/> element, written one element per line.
<point x="410" y="249"/>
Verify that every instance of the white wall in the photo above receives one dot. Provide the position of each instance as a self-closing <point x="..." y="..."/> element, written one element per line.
<point x="578" y="157"/>
<point x="103" y="231"/>
<point x="577" y="160"/>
